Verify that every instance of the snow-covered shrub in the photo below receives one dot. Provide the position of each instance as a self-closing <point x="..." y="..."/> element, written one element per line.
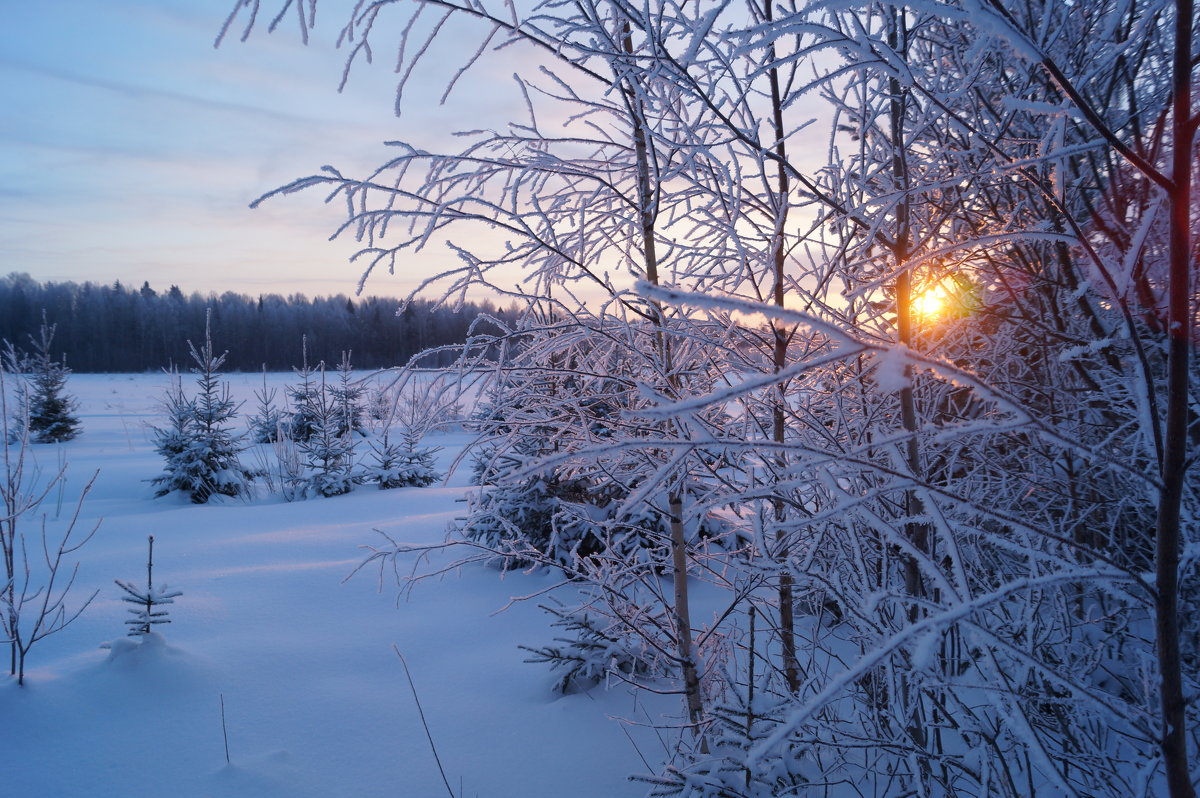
<point x="379" y="403"/>
<point x="553" y="515"/>
<point x="729" y="771"/>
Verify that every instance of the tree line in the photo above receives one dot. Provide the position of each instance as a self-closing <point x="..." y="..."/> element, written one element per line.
<point x="117" y="328"/>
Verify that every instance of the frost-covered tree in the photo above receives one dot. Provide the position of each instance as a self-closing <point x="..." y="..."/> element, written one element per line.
<point x="198" y="443"/>
<point x="595" y="647"/>
<point x="148" y="602"/>
<point x="16" y="397"/>
<point x="408" y="410"/>
<point x="348" y="398"/>
<point x="268" y="422"/>
<point x="51" y="410"/>
<point x="303" y="397"/>
<point x="401" y="464"/>
<point x="952" y="505"/>
<point x="329" y="454"/>
<point x="171" y="441"/>
<point x="38" y="575"/>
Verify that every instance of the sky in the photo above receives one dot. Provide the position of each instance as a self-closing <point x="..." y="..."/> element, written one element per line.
<point x="131" y="148"/>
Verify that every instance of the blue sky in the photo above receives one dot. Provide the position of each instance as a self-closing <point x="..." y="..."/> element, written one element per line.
<point x="130" y="148"/>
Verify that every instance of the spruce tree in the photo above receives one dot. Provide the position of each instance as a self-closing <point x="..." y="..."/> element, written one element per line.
<point x="172" y="441"/>
<point x="16" y="404"/>
<point x="348" y="398"/>
<point x="51" y="419"/>
<point x="201" y="451"/>
<point x="400" y="465"/>
<point x="267" y="424"/>
<point x="328" y="455"/>
<point x="303" y="397"/>
<point x="147" y="603"/>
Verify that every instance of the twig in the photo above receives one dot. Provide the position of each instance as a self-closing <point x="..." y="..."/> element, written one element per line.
<point x="224" y="731"/>
<point x="421" y="713"/>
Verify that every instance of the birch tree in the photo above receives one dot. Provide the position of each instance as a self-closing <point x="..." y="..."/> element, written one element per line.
<point x="956" y="498"/>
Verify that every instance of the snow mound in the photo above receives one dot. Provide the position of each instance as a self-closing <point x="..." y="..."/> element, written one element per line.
<point x="149" y="660"/>
<point x="145" y="649"/>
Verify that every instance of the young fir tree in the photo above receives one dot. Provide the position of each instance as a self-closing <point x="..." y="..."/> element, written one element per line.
<point x="328" y="455"/>
<point x="302" y="422"/>
<point x="268" y="423"/>
<point x="51" y="419"/>
<point x="200" y="449"/>
<point x="348" y="399"/>
<point x="146" y="612"/>
<point x="16" y="402"/>
<point x="400" y="465"/>
<point x="171" y="440"/>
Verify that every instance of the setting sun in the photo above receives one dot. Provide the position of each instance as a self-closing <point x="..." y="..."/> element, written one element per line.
<point x="931" y="302"/>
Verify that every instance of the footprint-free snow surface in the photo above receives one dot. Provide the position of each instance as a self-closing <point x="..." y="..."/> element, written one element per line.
<point x="316" y="702"/>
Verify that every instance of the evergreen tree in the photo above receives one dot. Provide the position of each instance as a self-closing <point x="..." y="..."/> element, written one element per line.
<point x="146" y="612"/>
<point x="328" y="455"/>
<point x="201" y="451"/>
<point x="51" y="419"/>
<point x="400" y="465"/>
<point x="267" y="424"/>
<point x="302" y="423"/>
<point x="348" y="398"/>
<point x="171" y="441"/>
<point x="16" y="404"/>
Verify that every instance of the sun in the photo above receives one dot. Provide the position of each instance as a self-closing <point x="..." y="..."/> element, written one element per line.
<point x="931" y="302"/>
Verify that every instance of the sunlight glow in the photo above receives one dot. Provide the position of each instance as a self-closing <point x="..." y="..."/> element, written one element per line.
<point x="930" y="303"/>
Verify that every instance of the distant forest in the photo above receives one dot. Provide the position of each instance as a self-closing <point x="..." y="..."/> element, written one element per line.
<point x="116" y="328"/>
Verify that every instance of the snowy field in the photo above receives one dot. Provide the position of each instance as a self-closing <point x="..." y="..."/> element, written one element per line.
<point x="316" y="701"/>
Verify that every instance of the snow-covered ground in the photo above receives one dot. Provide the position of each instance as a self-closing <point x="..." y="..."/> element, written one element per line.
<point x="316" y="701"/>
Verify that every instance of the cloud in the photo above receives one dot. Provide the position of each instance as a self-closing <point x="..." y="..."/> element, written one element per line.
<point x="141" y="92"/>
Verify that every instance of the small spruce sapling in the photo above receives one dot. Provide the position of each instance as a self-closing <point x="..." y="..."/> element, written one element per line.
<point x="595" y="648"/>
<point x="16" y="396"/>
<point x="401" y="465"/>
<point x="348" y="399"/>
<point x="302" y="423"/>
<point x="329" y="458"/>
<point x="51" y="418"/>
<point x="201" y="452"/>
<point x="146" y="602"/>
<point x="407" y="464"/>
<point x="171" y="439"/>
<point x="267" y="424"/>
<point x="213" y="410"/>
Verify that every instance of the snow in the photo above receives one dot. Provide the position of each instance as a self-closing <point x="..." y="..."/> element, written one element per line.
<point x="316" y="703"/>
<point x="891" y="369"/>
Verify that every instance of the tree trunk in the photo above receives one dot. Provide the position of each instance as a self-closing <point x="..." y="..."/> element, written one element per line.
<point x="1168" y="535"/>
<point x="916" y="532"/>
<point x="787" y="614"/>
<point x="678" y="541"/>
